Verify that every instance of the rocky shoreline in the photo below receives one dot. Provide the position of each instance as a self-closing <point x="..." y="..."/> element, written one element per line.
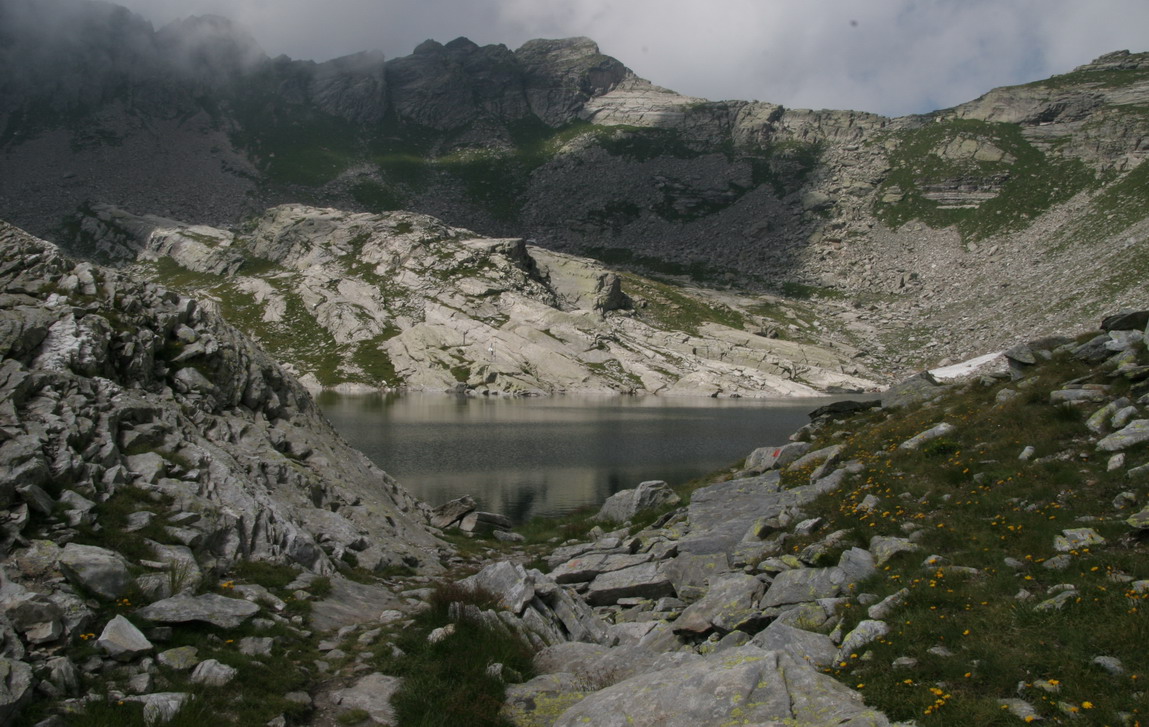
<point x="709" y="615"/>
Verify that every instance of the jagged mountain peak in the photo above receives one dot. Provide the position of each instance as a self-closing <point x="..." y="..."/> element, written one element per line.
<point x="462" y="43"/>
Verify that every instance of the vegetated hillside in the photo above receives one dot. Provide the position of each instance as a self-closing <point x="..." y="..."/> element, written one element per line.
<point x="400" y="299"/>
<point x="1026" y="205"/>
<point x="1021" y="586"/>
<point x="972" y="553"/>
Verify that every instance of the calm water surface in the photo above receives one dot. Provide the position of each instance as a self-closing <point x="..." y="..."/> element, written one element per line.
<point x="547" y="456"/>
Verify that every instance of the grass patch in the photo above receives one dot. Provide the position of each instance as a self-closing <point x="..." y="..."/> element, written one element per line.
<point x="264" y="573"/>
<point x="112" y="515"/>
<point x="802" y="291"/>
<point x="551" y="530"/>
<point x="376" y="197"/>
<point x="255" y="695"/>
<point x="447" y="683"/>
<point x="492" y="179"/>
<point x="373" y="361"/>
<point x="968" y="498"/>
<point x="296" y="336"/>
<point x="697" y="271"/>
<point x="1108" y="78"/>
<point x="670" y="307"/>
<point x="1029" y="184"/>
<point x="1121" y="205"/>
<point x="640" y="144"/>
<point x="615" y="216"/>
<point x="294" y="144"/>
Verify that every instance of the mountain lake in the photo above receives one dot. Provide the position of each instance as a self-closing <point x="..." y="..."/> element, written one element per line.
<point x="525" y="457"/>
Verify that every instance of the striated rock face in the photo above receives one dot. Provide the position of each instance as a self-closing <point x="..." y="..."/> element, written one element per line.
<point x="402" y="299"/>
<point x="113" y="386"/>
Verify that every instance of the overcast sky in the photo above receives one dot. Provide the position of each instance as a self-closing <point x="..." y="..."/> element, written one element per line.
<point x="886" y="56"/>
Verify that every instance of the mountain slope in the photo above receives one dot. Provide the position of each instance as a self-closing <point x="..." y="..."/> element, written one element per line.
<point x="917" y="221"/>
<point x="402" y="299"/>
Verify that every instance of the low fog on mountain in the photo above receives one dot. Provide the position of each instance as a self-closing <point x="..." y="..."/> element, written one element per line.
<point x="891" y="57"/>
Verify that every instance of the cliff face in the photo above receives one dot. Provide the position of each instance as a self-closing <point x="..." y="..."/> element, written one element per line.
<point x="916" y="220"/>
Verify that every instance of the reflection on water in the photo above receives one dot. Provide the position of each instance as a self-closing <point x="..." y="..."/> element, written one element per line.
<point x="546" y="456"/>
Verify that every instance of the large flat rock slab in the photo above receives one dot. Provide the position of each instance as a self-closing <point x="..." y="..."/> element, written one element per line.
<point x="742" y="686"/>
<point x="732" y="601"/>
<point x="212" y="608"/>
<point x="351" y="603"/>
<point x="815" y="648"/>
<point x="589" y="567"/>
<point x="640" y="581"/>
<point x="749" y="497"/>
<point x="371" y="694"/>
<point x="722" y="513"/>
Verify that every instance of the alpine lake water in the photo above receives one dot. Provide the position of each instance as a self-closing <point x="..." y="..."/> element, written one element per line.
<point x="527" y="457"/>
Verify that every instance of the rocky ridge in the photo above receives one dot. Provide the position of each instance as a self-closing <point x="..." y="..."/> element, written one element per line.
<point x="146" y="450"/>
<point x="400" y="299"/>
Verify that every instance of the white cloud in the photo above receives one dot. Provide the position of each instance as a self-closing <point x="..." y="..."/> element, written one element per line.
<point x="885" y="56"/>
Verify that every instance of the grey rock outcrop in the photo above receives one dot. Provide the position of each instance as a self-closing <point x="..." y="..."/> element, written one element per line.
<point x="114" y="350"/>
<point x="160" y="707"/>
<point x="935" y="432"/>
<point x="213" y="673"/>
<point x="744" y="599"/>
<point x="121" y="640"/>
<point x="537" y="608"/>
<point x="703" y="629"/>
<point x="451" y="513"/>
<point x="639" y="581"/>
<point x="212" y="608"/>
<point x="98" y="570"/>
<point x="829" y="200"/>
<point x="128" y="484"/>
<point x="747" y="684"/>
<point x="625" y="504"/>
<point x="1134" y="432"/>
<point x="16" y="683"/>
<point x="817" y="649"/>
<point x="404" y="300"/>
<point x="372" y="694"/>
<point x="730" y="602"/>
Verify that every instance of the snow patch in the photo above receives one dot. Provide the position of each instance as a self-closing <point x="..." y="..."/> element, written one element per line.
<point x="987" y="364"/>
